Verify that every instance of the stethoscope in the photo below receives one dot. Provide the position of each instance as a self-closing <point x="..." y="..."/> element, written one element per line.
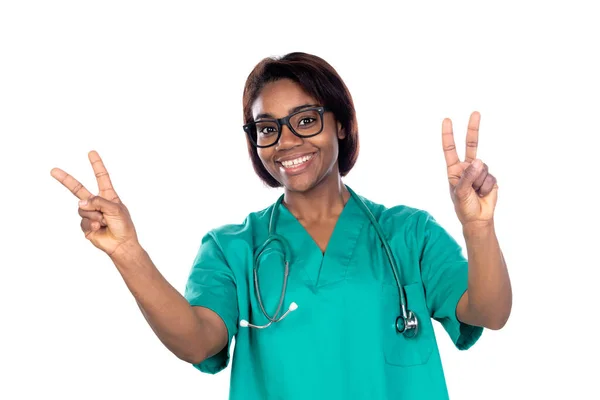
<point x="407" y="323"/>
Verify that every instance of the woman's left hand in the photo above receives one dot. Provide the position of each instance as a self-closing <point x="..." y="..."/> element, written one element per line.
<point x="473" y="189"/>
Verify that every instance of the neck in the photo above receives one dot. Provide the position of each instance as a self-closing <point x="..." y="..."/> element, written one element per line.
<point x="325" y="200"/>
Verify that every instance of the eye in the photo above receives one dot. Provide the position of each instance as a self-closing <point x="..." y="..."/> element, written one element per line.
<point x="267" y="130"/>
<point x="306" y="121"/>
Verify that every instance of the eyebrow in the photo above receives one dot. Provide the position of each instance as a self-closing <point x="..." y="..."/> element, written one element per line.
<point x="291" y="111"/>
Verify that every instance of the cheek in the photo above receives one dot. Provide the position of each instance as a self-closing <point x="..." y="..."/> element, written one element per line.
<point x="330" y="142"/>
<point x="261" y="154"/>
<point x="265" y="156"/>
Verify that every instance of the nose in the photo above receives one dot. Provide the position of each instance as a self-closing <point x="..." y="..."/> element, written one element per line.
<point x="288" y="140"/>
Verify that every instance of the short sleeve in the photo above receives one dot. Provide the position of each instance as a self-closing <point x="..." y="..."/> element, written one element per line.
<point x="444" y="271"/>
<point x="211" y="284"/>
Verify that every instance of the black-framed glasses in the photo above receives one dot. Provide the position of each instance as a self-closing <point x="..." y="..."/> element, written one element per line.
<point x="305" y="123"/>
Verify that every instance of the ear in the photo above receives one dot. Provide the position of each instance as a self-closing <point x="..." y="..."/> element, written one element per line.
<point x="341" y="133"/>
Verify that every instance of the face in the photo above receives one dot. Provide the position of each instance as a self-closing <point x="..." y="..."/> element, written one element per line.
<point x="299" y="164"/>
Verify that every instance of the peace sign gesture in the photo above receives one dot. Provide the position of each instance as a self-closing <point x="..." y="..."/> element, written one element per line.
<point x="105" y="221"/>
<point x="473" y="189"/>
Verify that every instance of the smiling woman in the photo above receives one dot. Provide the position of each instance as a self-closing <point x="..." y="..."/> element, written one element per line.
<point x="298" y="161"/>
<point x="362" y="283"/>
<point x="338" y="258"/>
<point x="298" y="81"/>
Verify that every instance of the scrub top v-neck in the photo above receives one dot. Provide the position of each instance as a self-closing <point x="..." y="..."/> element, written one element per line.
<point x="322" y="268"/>
<point x="341" y="342"/>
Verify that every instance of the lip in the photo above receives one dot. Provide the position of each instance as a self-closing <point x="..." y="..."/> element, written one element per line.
<point x="294" y="156"/>
<point x="298" y="169"/>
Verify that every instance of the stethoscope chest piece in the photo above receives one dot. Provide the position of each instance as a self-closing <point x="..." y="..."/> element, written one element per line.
<point x="408" y="326"/>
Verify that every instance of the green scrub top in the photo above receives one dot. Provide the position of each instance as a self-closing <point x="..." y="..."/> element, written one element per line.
<point x="341" y="342"/>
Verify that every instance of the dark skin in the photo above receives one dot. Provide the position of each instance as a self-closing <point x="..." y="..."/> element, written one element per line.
<point x="191" y="333"/>
<point x="474" y="192"/>
<point x="316" y="196"/>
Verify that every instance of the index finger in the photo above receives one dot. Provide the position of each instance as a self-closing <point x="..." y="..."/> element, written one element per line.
<point x="448" y="143"/>
<point x="71" y="183"/>
<point x="472" y="137"/>
<point x="104" y="183"/>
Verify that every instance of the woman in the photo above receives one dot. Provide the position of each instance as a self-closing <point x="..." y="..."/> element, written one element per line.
<point x="334" y="325"/>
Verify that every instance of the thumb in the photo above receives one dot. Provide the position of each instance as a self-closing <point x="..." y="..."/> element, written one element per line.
<point x="465" y="184"/>
<point x="97" y="203"/>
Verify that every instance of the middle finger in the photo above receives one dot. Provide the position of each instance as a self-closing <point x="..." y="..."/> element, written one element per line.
<point x="472" y="137"/>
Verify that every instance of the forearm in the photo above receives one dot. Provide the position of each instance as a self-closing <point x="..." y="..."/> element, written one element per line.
<point x="489" y="288"/>
<point x="168" y="313"/>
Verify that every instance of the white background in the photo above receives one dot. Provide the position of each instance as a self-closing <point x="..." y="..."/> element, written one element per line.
<point x="156" y="89"/>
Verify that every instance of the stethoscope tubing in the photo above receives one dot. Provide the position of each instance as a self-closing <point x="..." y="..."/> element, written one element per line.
<point x="409" y="322"/>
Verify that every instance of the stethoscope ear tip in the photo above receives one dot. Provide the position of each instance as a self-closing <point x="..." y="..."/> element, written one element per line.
<point x="244" y="323"/>
<point x="293" y="306"/>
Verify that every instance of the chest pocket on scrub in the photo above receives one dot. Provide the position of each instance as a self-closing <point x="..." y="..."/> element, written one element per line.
<point x="398" y="349"/>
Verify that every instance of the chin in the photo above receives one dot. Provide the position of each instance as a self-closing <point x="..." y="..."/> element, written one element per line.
<point x="299" y="185"/>
<point x="302" y="183"/>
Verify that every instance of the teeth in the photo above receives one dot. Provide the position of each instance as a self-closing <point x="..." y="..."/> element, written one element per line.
<point x="296" y="162"/>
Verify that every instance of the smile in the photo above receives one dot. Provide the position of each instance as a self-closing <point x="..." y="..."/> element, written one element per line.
<point x="298" y="165"/>
<point x="297" y="161"/>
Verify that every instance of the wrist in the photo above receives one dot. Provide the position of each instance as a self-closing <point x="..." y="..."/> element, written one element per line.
<point x="478" y="229"/>
<point x="127" y="252"/>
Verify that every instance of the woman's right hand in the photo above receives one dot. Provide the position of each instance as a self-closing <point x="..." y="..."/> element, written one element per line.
<point x="105" y="220"/>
